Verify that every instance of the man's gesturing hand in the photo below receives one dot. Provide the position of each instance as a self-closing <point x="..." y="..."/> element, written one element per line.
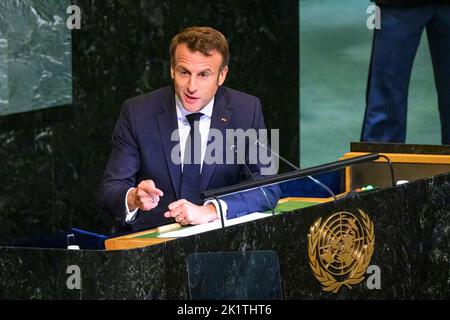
<point x="145" y="196"/>
<point x="186" y="213"/>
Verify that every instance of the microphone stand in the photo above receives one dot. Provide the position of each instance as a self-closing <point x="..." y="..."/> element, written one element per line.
<point x="222" y="220"/>
<point x="283" y="177"/>
<point x="234" y="148"/>
<point x="320" y="184"/>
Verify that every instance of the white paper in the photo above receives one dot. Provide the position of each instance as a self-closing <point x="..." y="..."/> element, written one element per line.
<point x="188" y="231"/>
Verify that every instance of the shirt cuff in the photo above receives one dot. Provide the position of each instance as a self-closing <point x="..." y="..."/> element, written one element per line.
<point x="216" y="205"/>
<point x="129" y="215"/>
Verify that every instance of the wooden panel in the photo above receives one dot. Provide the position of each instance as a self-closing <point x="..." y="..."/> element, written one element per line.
<point x="131" y="241"/>
<point x="406" y="167"/>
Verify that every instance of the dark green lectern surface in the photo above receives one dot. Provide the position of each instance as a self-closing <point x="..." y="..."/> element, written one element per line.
<point x="405" y="256"/>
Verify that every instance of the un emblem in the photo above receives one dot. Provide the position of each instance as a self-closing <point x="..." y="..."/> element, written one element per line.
<point x="340" y="249"/>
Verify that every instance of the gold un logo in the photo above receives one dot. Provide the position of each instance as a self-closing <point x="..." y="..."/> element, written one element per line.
<point x="340" y="249"/>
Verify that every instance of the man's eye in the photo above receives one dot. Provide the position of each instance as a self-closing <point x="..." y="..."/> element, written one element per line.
<point x="204" y="75"/>
<point x="183" y="73"/>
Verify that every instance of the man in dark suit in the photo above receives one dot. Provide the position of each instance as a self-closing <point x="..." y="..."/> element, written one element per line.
<point x="394" y="49"/>
<point x="158" y="165"/>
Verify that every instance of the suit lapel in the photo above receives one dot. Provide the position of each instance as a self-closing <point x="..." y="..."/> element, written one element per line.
<point x="220" y="120"/>
<point x="168" y="123"/>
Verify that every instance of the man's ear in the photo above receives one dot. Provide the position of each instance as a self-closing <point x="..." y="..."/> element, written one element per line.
<point x="172" y="72"/>
<point x="223" y="75"/>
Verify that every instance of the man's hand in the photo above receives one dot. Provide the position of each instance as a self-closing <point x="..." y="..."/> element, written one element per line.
<point x="145" y="196"/>
<point x="186" y="213"/>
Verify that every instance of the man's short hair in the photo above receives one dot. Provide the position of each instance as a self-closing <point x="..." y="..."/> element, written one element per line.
<point x="202" y="39"/>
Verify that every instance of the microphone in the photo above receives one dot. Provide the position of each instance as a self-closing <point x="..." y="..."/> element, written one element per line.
<point x="297" y="168"/>
<point x="234" y="148"/>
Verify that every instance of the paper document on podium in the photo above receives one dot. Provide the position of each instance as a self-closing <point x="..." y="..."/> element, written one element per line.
<point x="188" y="231"/>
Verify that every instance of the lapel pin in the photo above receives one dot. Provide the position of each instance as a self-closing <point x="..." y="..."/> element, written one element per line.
<point x="223" y="119"/>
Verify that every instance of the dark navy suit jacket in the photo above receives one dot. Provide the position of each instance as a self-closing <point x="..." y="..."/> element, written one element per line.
<point x="142" y="146"/>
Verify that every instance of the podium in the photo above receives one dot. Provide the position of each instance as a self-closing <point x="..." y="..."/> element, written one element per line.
<point x="409" y="258"/>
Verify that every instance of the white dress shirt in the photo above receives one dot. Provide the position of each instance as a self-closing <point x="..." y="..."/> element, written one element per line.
<point x="184" y="129"/>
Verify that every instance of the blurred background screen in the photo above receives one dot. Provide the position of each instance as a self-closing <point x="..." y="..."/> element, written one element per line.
<point x="35" y="55"/>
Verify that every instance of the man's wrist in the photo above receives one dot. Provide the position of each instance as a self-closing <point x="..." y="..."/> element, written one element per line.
<point x="212" y="212"/>
<point x="131" y="202"/>
<point x="218" y="205"/>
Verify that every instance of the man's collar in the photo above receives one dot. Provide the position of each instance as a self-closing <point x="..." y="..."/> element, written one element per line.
<point x="182" y="112"/>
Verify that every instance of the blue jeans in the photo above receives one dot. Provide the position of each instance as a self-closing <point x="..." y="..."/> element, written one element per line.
<point x="394" y="49"/>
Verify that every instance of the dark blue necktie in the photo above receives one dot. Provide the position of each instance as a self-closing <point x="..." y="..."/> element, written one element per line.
<point x="190" y="179"/>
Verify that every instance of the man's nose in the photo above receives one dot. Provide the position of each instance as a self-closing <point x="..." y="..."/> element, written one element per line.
<point x="192" y="86"/>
